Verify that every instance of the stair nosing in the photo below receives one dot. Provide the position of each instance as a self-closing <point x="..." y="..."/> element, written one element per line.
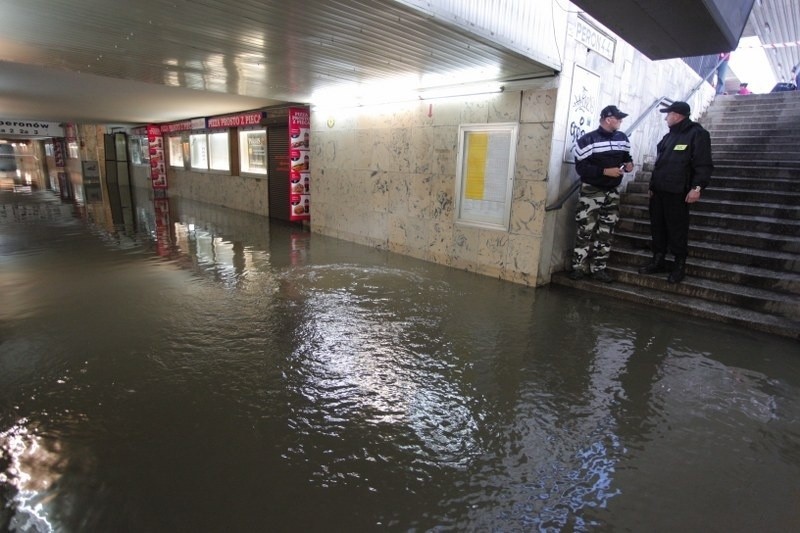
<point x="712" y="311"/>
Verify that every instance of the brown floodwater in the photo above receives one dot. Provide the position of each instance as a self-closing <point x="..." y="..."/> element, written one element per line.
<point x="201" y="369"/>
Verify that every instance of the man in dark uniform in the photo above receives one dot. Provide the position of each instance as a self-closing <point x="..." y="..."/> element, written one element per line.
<point x="601" y="158"/>
<point x="682" y="170"/>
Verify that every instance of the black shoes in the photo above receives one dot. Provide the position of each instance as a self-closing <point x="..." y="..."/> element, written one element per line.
<point x="657" y="264"/>
<point x="575" y="275"/>
<point x="679" y="271"/>
<point x="602" y="275"/>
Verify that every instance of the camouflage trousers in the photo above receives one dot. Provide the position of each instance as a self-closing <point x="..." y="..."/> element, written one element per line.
<point x="596" y="216"/>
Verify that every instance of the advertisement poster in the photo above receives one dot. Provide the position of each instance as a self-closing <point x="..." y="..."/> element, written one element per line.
<point x="299" y="163"/>
<point x="584" y="110"/>
<point x="158" y="169"/>
<point x="59" y="152"/>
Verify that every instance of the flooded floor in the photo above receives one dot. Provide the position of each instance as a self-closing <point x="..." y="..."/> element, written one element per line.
<point x="205" y="370"/>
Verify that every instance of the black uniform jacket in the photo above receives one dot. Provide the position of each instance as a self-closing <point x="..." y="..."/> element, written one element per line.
<point x="683" y="160"/>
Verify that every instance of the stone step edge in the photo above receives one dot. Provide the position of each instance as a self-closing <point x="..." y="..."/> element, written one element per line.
<point x="700" y="262"/>
<point x="702" y="228"/>
<point x="696" y="307"/>
<point x="716" y="289"/>
<point x="711" y="203"/>
<point x="721" y="215"/>
<point x="723" y="248"/>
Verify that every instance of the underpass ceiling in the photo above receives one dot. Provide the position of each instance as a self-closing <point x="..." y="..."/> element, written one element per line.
<point x="162" y="60"/>
<point x="777" y="25"/>
<point x="268" y="51"/>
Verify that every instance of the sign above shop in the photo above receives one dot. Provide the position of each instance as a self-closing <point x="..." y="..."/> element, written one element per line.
<point x="184" y="125"/>
<point x="252" y="118"/>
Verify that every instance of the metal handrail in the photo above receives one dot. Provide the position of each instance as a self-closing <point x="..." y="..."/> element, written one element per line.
<point x="697" y="87"/>
<point x="564" y="197"/>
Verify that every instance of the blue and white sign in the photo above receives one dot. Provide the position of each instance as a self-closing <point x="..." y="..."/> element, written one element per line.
<point x="31" y="128"/>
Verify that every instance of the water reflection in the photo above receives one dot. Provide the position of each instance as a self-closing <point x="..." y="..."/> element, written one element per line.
<point x="208" y="371"/>
<point x="29" y="471"/>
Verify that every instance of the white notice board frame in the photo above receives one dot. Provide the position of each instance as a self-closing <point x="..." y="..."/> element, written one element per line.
<point x="485" y="201"/>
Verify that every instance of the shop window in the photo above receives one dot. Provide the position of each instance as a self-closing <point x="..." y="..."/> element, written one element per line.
<point x="144" y="146"/>
<point x="176" y="151"/>
<point x="485" y="174"/>
<point x="219" y="151"/>
<point x="120" y="143"/>
<point x="253" y="151"/>
<point x="135" y="150"/>
<point x="139" y="150"/>
<point x="198" y="150"/>
<point x="72" y="150"/>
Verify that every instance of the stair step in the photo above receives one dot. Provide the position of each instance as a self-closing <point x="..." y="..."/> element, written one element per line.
<point x="742" y="275"/>
<point x="726" y="253"/>
<point x="725" y="219"/>
<point x="728" y="169"/>
<point x="783" y="97"/>
<point x="753" y="139"/>
<point x="780" y="159"/>
<point x="788" y="198"/>
<point x="706" y="205"/>
<point x="750" y="130"/>
<point x="777" y="164"/>
<point x="756" y="240"/>
<point x="688" y="305"/>
<point x="776" y="211"/>
<point x="755" y="299"/>
<point x="766" y="148"/>
<point x="720" y="181"/>
<point x="758" y="196"/>
<point x="723" y="168"/>
<point x="768" y="121"/>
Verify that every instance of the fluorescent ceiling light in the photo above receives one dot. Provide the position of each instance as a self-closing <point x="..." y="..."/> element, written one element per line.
<point x="460" y="90"/>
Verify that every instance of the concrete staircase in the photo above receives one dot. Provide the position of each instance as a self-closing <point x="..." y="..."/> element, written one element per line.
<point x="744" y="243"/>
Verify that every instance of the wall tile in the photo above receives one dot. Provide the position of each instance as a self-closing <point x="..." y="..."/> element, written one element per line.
<point x="533" y="151"/>
<point x="527" y="207"/>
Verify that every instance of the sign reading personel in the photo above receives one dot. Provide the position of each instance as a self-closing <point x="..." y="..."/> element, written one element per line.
<point x="31" y="127"/>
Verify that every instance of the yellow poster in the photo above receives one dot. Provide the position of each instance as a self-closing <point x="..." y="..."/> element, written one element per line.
<point x="477" y="147"/>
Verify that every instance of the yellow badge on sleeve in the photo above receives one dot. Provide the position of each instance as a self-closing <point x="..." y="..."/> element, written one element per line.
<point x="681" y="146"/>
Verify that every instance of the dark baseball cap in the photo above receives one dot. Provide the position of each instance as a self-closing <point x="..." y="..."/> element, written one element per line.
<point x="612" y="111"/>
<point x="681" y="108"/>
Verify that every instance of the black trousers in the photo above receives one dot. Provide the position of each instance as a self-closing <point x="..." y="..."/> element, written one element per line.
<point x="669" y="223"/>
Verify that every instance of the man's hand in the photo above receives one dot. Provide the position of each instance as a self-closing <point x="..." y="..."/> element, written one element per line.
<point x="612" y="172"/>
<point x="692" y="196"/>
